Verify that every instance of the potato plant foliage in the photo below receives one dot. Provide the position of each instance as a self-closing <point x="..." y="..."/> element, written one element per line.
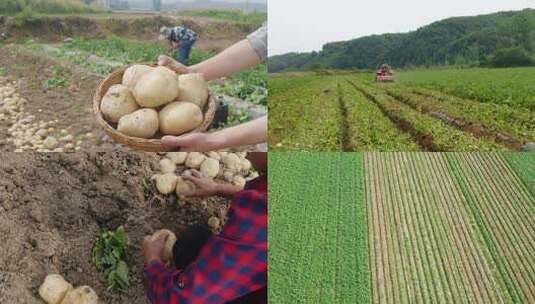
<point x="428" y="110"/>
<point x="110" y="255"/>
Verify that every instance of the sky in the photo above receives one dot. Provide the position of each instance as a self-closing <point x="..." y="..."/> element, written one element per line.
<point x="306" y="25"/>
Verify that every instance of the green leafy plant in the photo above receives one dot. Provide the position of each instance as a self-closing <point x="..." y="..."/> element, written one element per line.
<point x="61" y="79"/>
<point x="110" y="255"/>
<point x="237" y="116"/>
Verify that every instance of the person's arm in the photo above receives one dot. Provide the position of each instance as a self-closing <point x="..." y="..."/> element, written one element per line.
<point x="249" y="133"/>
<point x="232" y="60"/>
<point x="159" y="278"/>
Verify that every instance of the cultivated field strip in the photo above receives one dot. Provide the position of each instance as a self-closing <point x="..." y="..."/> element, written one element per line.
<point x="306" y="116"/>
<point x="524" y="166"/>
<point x="318" y="235"/>
<point x="448" y="228"/>
<point x="369" y="128"/>
<point x="502" y="207"/>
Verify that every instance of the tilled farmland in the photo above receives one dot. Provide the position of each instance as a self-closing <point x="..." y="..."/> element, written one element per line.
<point x="357" y="115"/>
<point x="444" y="228"/>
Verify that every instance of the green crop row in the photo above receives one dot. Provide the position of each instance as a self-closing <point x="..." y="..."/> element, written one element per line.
<point x="369" y="128"/>
<point x="306" y="115"/>
<point x="480" y="203"/>
<point x="430" y="131"/>
<point x="318" y="234"/>
<point x="524" y="166"/>
<point x="498" y="118"/>
<point x="507" y="86"/>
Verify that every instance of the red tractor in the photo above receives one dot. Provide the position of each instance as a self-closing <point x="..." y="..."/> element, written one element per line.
<point x="384" y="74"/>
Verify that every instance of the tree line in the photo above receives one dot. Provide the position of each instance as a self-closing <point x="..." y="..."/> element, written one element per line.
<point x="501" y="39"/>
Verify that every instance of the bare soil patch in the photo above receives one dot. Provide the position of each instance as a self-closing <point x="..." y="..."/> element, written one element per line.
<point x="53" y="206"/>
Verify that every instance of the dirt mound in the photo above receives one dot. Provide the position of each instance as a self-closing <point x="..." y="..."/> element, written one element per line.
<point x="53" y="207"/>
<point x="214" y="35"/>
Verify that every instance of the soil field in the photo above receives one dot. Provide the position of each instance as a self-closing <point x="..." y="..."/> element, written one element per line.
<point x="392" y="117"/>
<point x="440" y="227"/>
<point x="54" y="206"/>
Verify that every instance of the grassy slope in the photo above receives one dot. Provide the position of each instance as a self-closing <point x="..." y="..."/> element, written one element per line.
<point x="318" y="234"/>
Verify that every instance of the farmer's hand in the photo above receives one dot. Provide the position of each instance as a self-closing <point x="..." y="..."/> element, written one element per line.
<point x="174" y="65"/>
<point x="192" y="142"/>
<point x="152" y="250"/>
<point x="205" y="186"/>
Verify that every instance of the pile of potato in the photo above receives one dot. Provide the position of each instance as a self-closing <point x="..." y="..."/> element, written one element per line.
<point x="155" y="99"/>
<point x="227" y="166"/>
<point x="56" y="290"/>
<point x="27" y="134"/>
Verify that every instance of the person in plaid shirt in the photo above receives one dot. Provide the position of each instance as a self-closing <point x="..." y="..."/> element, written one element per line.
<point x="181" y="38"/>
<point x="227" y="268"/>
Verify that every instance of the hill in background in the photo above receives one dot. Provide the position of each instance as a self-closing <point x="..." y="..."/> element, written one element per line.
<point x="499" y="39"/>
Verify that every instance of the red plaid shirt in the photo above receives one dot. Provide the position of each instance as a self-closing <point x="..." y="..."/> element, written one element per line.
<point x="232" y="264"/>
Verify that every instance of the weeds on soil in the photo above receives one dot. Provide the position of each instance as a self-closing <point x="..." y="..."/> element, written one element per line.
<point x="109" y="255"/>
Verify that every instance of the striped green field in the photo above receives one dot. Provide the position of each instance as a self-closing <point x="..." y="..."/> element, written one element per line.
<point x="440" y="228"/>
<point x="318" y="235"/>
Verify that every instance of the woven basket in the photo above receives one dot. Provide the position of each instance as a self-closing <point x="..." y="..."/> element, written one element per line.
<point x="148" y="145"/>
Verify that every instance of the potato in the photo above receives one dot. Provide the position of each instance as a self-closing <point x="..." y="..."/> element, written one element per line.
<point x="117" y="102"/>
<point x="133" y="73"/>
<point x="239" y="181"/>
<point x="194" y="160"/>
<point x="210" y="167"/>
<point x="157" y="87"/>
<point x="180" y="117"/>
<point x="185" y="187"/>
<point x="245" y="165"/>
<point x="81" y="295"/>
<point x="167" y="165"/>
<point x="178" y="158"/>
<point x="50" y="142"/>
<point x="167" y="254"/>
<point x="142" y="123"/>
<point x="214" y="155"/>
<point x="232" y="162"/>
<point x="165" y="183"/>
<point x="228" y="176"/>
<point x="54" y="289"/>
<point x="193" y="88"/>
<point x="214" y="222"/>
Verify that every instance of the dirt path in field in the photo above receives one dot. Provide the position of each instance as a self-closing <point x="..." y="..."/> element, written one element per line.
<point x="424" y="140"/>
<point x="53" y="207"/>
<point x="476" y="129"/>
<point x="70" y="106"/>
<point x="450" y="228"/>
<point x="347" y="145"/>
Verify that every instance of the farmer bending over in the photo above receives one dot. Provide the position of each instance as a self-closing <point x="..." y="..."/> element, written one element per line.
<point x="181" y="38"/>
<point x="227" y="268"/>
<point x="240" y="56"/>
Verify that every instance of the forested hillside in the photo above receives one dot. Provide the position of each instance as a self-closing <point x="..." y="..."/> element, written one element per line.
<point x="499" y="39"/>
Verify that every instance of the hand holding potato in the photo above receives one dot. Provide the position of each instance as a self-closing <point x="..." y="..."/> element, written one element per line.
<point x="174" y="65"/>
<point x="205" y="186"/>
<point x="153" y="248"/>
